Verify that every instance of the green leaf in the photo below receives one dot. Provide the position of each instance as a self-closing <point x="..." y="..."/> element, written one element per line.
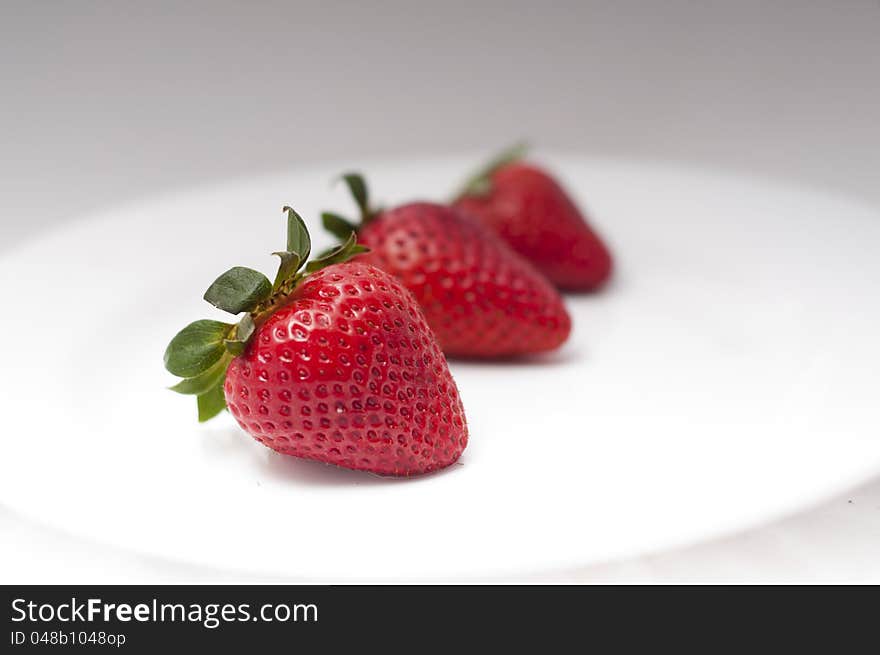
<point x="298" y="241"/>
<point x="326" y="252"/>
<point x="479" y="183"/>
<point x="290" y="264"/>
<point x="239" y="290"/>
<point x="211" y="403"/>
<point x="299" y="245"/>
<point x="338" y="255"/>
<point x="234" y="347"/>
<point x="202" y="383"/>
<point x="196" y="348"/>
<point x="337" y="226"/>
<point x="245" y="328"/>
<point x="243" y="332"/>
<point x="358" y="188"/>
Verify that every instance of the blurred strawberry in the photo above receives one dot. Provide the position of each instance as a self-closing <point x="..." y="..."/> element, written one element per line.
<point x="480" y="298"/>
<point x="526" y="207"/>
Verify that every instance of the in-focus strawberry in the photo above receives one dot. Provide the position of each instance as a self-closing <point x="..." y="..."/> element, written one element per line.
<point x="527" y="208"/>
<point x="481" y="299"/>
<point x="333" y="362"/>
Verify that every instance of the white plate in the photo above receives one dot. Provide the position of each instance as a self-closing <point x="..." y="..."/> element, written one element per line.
<point x="727" y="376"/>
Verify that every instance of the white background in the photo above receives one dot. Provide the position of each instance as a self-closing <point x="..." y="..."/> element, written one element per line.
<point x="102" y="103"/>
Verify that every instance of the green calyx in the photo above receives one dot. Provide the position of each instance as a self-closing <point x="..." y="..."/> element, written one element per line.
<point x="342" y="227"/>
<point x="201" y="352"/>
<point x="480" y="183"/>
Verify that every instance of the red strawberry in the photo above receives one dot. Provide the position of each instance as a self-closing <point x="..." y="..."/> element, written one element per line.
<point x="480" y="298"/>
<point x="334" y="363"/>
<point x="531" y="212"/>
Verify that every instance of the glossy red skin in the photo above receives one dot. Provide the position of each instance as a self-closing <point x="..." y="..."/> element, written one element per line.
<point x="349" y="373"/>
<point x="531" y="212"/>
<point x="481" y="299"/>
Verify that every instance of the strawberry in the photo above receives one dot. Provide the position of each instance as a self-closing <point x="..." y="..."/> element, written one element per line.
<point x="333" y="362"/>
<point x="481" y="299"/>
<point x="527" y="208"/>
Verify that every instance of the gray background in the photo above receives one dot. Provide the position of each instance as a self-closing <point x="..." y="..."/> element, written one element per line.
<point x="103" y="102"/>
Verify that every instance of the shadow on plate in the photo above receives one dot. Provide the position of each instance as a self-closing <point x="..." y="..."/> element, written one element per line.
<point x="266" y="463"/>
<point x="298" y="471"/>
<point x="561" y="357"/>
